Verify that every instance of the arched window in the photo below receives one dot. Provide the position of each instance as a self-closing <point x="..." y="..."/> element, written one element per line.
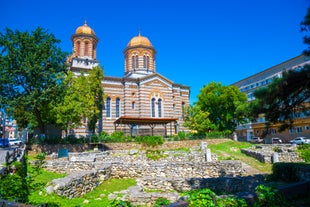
<point x="117" y="108"/>
<point x="137" y="61"/>
<point x="78" y="47"/>
<point x="183" y="109"/>
<point x="133" y="105"/>
<point x="159" y="107"/>
<point x="108" y="107"/>
<point x="86" y="49"/>
<point x="144" y="61"/>
<point x="153" y="107"/>
<point x="133" y="62"/>
<point x="148" y="62"/>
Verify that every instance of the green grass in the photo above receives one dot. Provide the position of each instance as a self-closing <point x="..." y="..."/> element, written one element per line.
<point x="231" y="150"/>
<point x="98" y="197"/>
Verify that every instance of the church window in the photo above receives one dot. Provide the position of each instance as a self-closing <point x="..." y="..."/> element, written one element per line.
<point x="78" y="45"/>
<point x="147" y="62"/>
<point x="133" y="62"/>
<point x="117" y="108"/>
<point x="133" y="105"/>
<point x="144" y="61"/>
<point x="86" y="49"/>
<point x="153" y="107"/>
<point x="108" y="107"/>
<point x="159" y="107"/>
<point x="183" y="109"/>
<point x="137" y="61"/>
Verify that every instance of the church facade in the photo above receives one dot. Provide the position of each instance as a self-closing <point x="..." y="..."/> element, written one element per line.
<point x="142" y="102"/>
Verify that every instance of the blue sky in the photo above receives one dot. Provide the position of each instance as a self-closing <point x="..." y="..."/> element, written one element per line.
<point x="197" y="41"/>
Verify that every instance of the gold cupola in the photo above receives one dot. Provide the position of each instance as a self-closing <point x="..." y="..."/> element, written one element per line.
<point x="85" y="29"/>
<point x="139" y="57"/>
<point x="84" y="42"/>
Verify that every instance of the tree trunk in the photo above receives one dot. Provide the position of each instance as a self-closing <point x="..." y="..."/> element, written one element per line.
<point x="40" y="122"/>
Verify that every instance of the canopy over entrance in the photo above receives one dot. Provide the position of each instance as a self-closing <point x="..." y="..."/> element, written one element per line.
<point x="137" y="121"/>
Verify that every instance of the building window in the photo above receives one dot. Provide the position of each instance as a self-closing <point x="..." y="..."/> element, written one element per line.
<point x="78" y="46"/>
<point x="86" y="49"/>
<point x="133" y="62"/>
<point x="108" y="107"/>
<point x="307" y="127"/>
<point x="144" y="61"/>
<point x="159" y="107"/>
<point x="183" y="109"/>
<point x="137" y="61"/>
<point x="117" y="108"/>
<point x="298" y="129"/>
<point x="133" y="105"/>
<point x="291" y="131"/>
<point x="147" y="62"/>
<point x="153" y="107"/>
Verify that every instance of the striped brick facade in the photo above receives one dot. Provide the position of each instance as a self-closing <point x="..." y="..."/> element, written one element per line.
<point x="142" y="92"/>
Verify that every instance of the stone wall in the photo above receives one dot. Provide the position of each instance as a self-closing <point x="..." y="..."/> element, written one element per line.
<point x="75" y="185"/>
<point x="265" y="153"/>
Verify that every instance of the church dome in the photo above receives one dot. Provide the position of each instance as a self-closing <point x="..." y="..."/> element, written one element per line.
<point x="85" y="29"/>
<point x="139" y="41"/>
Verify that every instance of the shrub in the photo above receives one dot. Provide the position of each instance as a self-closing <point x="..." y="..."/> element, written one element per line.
<point x="120" y="203"/>
<point x="304" y="151"/>
<point x="201" y="198"/>
<point x="150" y="141"/>
<point x="267" y="196"/>
<point x="117" y="136"/>
<point x="161" y="202"/>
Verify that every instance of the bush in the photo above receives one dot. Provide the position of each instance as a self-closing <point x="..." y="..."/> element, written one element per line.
<point x="267" y="196"/>
<point x="201" y="198"/>
<point x="120" y="203"/>
<point x="304" y="151"/>
<point x="217" y="134"/>
<point x="150" y="141"/>
<point x="161" y="202"/>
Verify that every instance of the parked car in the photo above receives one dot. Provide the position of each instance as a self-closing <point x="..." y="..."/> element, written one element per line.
<point x="300" y="140"/>
<point x="276" y="140"/>
<point x="14" y="141"/>
<point x="256" y="140"/>
<point x="4" y="142"/>
<point x="273" y="140"/>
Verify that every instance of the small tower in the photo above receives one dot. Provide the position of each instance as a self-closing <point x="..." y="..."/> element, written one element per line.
<point x="139" y="57"/>
<point x="84" y="43"/>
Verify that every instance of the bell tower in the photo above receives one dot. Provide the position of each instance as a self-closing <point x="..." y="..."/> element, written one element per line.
<point x="84" y="49"/>
<point x="139" y="57"/>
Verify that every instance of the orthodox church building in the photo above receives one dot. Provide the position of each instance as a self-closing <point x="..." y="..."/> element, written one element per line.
<point x="142" y="102"/>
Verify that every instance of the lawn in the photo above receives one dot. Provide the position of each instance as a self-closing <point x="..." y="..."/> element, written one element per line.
<point x="98" y="197"/>
<point x="231" y="150"/>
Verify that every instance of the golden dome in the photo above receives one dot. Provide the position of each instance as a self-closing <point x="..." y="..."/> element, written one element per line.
<point x="85" y="29"/>
<point x="139" y="41"/>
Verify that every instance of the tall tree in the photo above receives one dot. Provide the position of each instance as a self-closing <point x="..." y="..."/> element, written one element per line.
<point x="31" y="72"/>
<point x="197" y="120"/>
<point x="94" y="83"/>
<point x="83" y="98"/>
<point x="226" y="105"/>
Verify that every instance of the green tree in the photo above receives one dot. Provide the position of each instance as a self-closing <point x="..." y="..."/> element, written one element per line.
<point x="197" y="120"/>
<point x="69" y="112"/>
<point x="226" y="105"/>
<point x="83" y="98"/>
<point x="31" y="72"/>
<point x="95" y="93"/>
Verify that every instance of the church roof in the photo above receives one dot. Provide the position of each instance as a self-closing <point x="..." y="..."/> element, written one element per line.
<point x="85" y="29"/>
<point x="139" y="41"/>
